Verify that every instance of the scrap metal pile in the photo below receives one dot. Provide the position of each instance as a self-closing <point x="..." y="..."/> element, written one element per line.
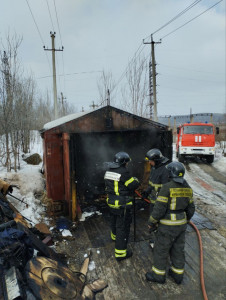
<point x="29" y="269"/>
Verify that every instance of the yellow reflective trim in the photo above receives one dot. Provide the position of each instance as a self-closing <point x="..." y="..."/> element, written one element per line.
<point x="155" y="184"/>
<point x="116" y="187"/>
<point x="129" y="181"/>
<point x="113" y="236"/>
<point x="173" y="217"/>
<point x="170" y="222"/>
<point x="129" y="203"/>
<point x="152" y="220"/>
<point x="162" y="199"/>
<point x="191" y="201"/>
<point x="157" y="271"/>
<point x="120" y="251"/>
<point x="181" y="192"/>
<point x="173" y="203"/>
<point x="178" y="271"/>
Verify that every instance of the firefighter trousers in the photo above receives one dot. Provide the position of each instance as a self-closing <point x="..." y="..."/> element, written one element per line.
<point x="120" y="220"/>
<point x="170" y="241"/>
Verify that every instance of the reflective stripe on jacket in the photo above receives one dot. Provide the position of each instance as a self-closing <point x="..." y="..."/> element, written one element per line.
<point x="174" y="205"/>
<point x="120" y="187"/>
<point x="158" y="176"/>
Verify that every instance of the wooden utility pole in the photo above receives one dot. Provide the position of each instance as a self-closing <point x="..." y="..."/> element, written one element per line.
<point x="62" y="101"/>
<point x="93" y="105"/>
<point x="52" y="34"/>
<point x="152" y="74"/>
<point x="108" y="98"/>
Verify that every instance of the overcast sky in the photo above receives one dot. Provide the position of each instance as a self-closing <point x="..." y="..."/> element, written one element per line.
<point x="105" y="34"/>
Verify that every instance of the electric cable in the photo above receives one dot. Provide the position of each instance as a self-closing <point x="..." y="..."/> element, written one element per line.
<point x="61" y="44"/>
<point x="177" y="16"/>
<point x="50" y="14"/>
<point x="191" y="20"/>
<point x="201" y="261"/>
<point x="38" y="31"/>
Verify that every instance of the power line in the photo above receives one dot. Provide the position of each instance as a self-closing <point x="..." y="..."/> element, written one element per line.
<point x="131" y="61"/>
<point x="38" y="30"/>
<point x="191" y="20"/>
<point x="177" y="16"/>
<point x="57" y="22"/>
<point x="61" y="41"/>
<point x="35" y="22"/>
<point x="69" y="74"/>
<point x="50" y="15"/>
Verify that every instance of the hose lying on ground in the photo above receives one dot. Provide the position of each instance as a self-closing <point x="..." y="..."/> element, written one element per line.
<point x="201" y="261"/>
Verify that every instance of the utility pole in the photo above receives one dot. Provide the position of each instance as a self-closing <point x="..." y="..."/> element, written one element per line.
<point x="62" y="102"/>
<point x="108" y="98"/>
<point x="152" y="74"/>
<point x="93" y="105"/>
<point x="52" y="34"/>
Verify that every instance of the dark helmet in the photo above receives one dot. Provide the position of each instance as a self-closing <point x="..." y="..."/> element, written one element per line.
<point x="120" y="159"/>
<point x="156" y="156"/>
<point x="176" y="171"/>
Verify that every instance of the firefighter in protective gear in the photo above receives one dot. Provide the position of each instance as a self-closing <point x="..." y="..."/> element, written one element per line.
<point x="120" y="186"/>
<point x="174" y="207"/>
<point x="158" y="175"/>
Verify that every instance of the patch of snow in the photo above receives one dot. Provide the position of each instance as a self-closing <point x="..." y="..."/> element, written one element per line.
<point x="85" y="215"/>
<point x="220" y="164"/>
<point x="65" y="119"/>
<point x="98" y="251"/>
<point x="66" y="232"/>
<point x="92" y="265"/>
<point x="98" y="213"/>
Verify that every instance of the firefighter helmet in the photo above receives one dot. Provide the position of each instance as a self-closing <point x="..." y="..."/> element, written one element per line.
<point x="156" y="156"/>
<point x="120" y="159"/>
<point x="176" y="171"/>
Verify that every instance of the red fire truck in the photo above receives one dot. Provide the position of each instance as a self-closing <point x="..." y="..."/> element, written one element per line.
<point x="197" y="140"/>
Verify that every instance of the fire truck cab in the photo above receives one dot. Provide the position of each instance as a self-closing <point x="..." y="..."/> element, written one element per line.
<point x="197" y="140"/>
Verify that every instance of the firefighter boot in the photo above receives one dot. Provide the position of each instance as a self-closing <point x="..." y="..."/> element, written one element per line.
<point x="150" y="277"/>
<point x="129" y="253"/>
<point x="177" y="278"/>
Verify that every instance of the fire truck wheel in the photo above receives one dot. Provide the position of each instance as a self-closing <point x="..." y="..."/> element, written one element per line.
<point x="181" y="158"/>
<point x="210" y="158"/>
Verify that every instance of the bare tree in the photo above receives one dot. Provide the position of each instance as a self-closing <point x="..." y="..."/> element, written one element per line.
<point x="135" y="92"/>
<point x="106" y="85"/>
<point x="9" y="69"/>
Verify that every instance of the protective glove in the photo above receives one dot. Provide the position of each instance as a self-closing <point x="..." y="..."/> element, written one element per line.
<point x="152" y="227"/>
<point x="145" y="194"/>
<point x="10" y="190"/>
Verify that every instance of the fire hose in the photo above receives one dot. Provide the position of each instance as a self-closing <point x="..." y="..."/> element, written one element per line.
<point x="201" y="261"/>
<point x="200" y="249"/>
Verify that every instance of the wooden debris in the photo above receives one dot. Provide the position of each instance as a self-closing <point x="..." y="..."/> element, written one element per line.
<point x="97" y="285"/>
<point x="43" y="228"/>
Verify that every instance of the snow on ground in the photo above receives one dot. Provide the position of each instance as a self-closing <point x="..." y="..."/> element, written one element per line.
<point x="199" y="191"/>
<point x="30" y="183"/>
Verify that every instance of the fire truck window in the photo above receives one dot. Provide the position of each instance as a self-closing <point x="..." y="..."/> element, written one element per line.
<point x="198" y="130"/>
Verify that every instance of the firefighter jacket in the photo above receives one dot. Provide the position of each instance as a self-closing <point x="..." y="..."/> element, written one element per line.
<point x="120" y="187"/>
<point x="158" y="176"/>
<point x="174" y="205"/>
